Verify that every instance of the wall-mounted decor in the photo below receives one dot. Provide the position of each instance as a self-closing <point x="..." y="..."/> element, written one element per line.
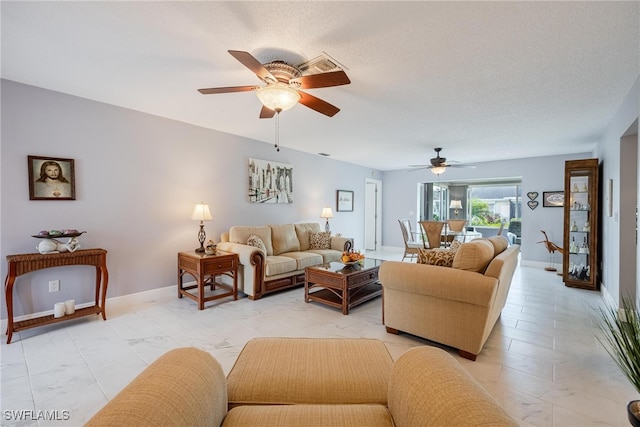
<point x="51" y="178"/>
<point x="553" y="199"/>
<point x="270" y="182"/>
<point x="532" y="195"/>
<point x="532" y="204"/>
<point x="608" y="195"/>
<point x="344" y="201"/>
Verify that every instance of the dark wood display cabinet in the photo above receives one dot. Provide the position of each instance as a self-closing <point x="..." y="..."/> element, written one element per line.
<point x="580" y="257"/>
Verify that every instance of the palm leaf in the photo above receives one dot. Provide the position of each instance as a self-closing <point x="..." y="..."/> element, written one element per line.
<point x="621" y="337"/>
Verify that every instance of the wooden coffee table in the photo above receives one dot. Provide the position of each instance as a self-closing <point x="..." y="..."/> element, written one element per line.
<point x="343" y="286"/>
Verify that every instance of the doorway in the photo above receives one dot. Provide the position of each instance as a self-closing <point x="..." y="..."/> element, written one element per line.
<point x="372" y="213"/>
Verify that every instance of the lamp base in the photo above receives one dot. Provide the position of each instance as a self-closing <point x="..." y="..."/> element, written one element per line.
<point x="326" y="227"/>
<point x="201" y="238"/>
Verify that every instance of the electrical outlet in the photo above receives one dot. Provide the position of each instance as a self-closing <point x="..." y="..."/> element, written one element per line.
<point x="54" y="285"/>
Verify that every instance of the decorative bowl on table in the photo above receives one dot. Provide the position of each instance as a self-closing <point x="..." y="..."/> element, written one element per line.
<point x="351" y="258"/>
<point x="54" y="234"/>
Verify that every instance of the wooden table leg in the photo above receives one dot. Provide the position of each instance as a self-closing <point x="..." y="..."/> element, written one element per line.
<point x="8" y="295"/>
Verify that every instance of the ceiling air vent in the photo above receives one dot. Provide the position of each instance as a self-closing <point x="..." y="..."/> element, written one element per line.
<point x="319" y="64"/>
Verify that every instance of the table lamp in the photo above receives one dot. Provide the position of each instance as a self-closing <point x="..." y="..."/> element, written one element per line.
<point x="201" y="212"/>
<point x="326" y="213"/>
<point x="456" y="205"/>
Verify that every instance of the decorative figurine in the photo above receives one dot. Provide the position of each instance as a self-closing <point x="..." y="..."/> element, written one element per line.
<point x="210" y="249"/>
<point x="53" y="246"/>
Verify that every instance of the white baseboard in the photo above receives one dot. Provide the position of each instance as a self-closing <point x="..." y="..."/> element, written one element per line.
<point x="540" y="264"/>
<point x="131" y="299"/>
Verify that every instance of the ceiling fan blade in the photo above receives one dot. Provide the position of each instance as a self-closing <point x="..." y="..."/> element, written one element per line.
<point x="266" y="113"/>
<point x="332" y="78"/>
<point x="462" y="166"/>
<point x="318" y="104"/>
<point x="253" y="64"/>
<point x="229" y="89"/>
<point x="419" y="166"/>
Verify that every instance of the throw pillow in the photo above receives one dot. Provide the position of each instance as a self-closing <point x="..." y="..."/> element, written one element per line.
<point x="256" y="242"/>
<point x="474" y="256"/>
<point x="319" y="240"/>
<point x="443" y="258"/>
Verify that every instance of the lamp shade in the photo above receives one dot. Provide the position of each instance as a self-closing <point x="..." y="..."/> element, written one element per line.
<point x="278" y="97"/>
<point x="455" y="204"/>
<point x="326" y="213"/>
<point x="438" y="170"/>
<point x="201" y="212"/>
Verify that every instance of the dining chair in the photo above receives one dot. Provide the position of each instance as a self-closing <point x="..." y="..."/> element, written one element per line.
<point x="433" y="232"/>
<point x="410" y="245"/>
<point x="456" y="228"/>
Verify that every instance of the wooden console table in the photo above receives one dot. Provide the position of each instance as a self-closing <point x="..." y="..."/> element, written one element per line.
<point x="26" y="263"/>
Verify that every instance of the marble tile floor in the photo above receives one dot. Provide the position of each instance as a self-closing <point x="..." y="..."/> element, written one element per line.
<point x="541" y="362"/>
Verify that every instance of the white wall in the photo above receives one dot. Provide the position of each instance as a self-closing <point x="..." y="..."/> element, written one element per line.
<point x="538" y="174"/>
<point x="137" y="179"/>
<point x="608" y="151"/>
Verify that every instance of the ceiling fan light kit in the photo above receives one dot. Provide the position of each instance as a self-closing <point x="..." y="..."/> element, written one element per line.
<point x="437" y="170"/>
<point x="278" y="97"/>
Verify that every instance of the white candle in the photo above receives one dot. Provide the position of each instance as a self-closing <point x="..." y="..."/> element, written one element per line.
<point x="58" y="309"/>
<point x="69" y="306"/>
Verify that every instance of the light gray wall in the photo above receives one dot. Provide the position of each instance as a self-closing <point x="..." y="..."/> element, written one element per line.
<point x="609" y="151"/>
<point x="137" y="179"/>
<point x="538" y="174"/>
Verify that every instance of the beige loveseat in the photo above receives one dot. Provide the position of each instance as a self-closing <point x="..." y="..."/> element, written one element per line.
<point x="288" y="249"/>
<point x="456" y="306"/>
<point x="293" y="382"/>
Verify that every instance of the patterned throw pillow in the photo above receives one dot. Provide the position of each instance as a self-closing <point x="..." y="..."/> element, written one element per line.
<point x="441" y="257"/>
<point x="319" y="240"/>
<point x="256" y="242"/>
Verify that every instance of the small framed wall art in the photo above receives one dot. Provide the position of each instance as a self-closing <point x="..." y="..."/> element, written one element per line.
<point x="553" y="199"/>
<point x="344" y="202"/>
<point x="51" y="178"/>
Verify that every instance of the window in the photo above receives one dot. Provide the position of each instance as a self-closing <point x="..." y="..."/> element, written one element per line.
<point x="485" y="204"/>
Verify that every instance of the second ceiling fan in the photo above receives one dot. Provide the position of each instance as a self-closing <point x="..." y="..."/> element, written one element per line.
<point x="439" y="164"/>
<point x="283" y="84"/>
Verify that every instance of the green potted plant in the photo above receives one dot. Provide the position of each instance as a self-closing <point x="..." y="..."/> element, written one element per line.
<point x="621" y="338"/>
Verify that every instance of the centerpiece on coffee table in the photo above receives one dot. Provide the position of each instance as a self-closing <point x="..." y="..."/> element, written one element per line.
<point x="352" y="257"/>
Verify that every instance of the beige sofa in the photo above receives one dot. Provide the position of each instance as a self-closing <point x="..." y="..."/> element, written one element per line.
<point x="288" y="250"/>
<point x="457" y="306"/>
<point x="333" y="382"/>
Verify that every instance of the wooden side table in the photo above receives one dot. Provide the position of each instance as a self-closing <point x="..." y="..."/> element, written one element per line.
<point x="204" y="268"/>
<point x="26" y="263"/>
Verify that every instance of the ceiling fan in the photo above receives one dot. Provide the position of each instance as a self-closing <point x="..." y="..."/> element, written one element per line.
<point x="439" y="164"/>
<point x="283" y="84"/>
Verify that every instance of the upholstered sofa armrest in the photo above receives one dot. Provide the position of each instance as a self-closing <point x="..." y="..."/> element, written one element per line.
<point x="438" y="282"/>
<point x="184" y="387"/>
<point x="428" y="387"/>
<point x="252" y="266"/>
<point x="341" y="243"/>
<point x="245" y="252"/>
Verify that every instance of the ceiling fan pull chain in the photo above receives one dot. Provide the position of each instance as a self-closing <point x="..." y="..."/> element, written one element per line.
<point x="278" y="131"/>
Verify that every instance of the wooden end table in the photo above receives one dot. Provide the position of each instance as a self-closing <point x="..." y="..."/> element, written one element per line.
<point x="204" y="268"/>
<point x="343" y="286"/>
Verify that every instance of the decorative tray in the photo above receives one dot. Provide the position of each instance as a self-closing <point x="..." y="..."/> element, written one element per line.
<point x="55" y="236"/>
<point x="349" y="263"/>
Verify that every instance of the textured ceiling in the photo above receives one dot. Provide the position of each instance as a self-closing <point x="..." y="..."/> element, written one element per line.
<point x="484" y="80"/>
